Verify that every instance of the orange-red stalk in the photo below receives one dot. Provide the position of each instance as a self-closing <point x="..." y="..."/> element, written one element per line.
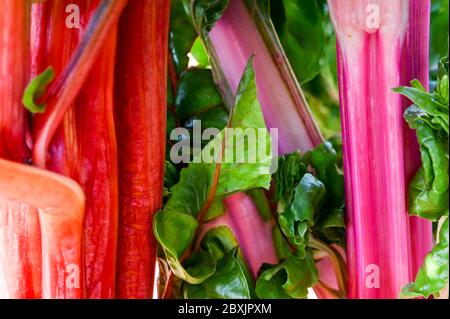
<point x="141" y="79"/>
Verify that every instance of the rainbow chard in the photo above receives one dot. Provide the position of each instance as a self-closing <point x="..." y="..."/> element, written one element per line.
<point x="79" y="110"/>
<point x="141" y="76"/>
<point x="381" y="45"/>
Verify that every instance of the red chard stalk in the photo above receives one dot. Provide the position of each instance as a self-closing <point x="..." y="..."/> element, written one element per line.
<point x="140" y="117"/>
<point x="14" y="51"/>
<point x="20" y="261"/>
<point x="88" y="117"/>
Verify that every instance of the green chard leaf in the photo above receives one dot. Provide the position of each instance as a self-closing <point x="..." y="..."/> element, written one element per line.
<point x="296" y="220"/>
<point x="433" y="275"/>
<point x="176" y="226"/>
<point x="198" y="99"/>
<point x="325" y="162"/>
<point x="288" y="175"/>
<point x="199" y="53"/>
<point x="36" y="89"/>
<point x="289" y="279"/>
<point x="231" y="278"/>
<point x="228" y="282"/>
<point x="428" y="191"/>
<point x="428" y="195"/>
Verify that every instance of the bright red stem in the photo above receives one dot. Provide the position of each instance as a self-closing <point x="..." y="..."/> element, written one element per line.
<point x="83" y="146"/>
<point x="14" y="75"/>
<point x="141" y="75"/>
<point x="70" y="80"/>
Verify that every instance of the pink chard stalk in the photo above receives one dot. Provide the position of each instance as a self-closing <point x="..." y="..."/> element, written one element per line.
<point x="380" y="45"/>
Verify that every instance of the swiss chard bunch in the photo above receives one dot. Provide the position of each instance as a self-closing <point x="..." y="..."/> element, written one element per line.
<point x="428" y="191"/>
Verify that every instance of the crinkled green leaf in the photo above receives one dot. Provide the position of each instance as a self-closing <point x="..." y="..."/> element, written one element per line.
<point x="328" y="168"/>
<point x="433" y="111"/>
<point x="433" y="275"/>
<point x="299" y="215"/>
<point x="428" y="191"/>
<point x="35" y="89"/>
<point x="333" y="227"/>
<point x="428" y="195"/>
<point x="290" y="279"/>
<point x="325" y="162"/>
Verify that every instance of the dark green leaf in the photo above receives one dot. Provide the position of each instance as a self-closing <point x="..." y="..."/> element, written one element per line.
<point x="289" y="173"/>
<point x="171" y="175"/>
<point x="205" y="13"/>
<point x="228" y="282"/>
<point x="197" y="94"/>
<point x="181" y="37"/>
